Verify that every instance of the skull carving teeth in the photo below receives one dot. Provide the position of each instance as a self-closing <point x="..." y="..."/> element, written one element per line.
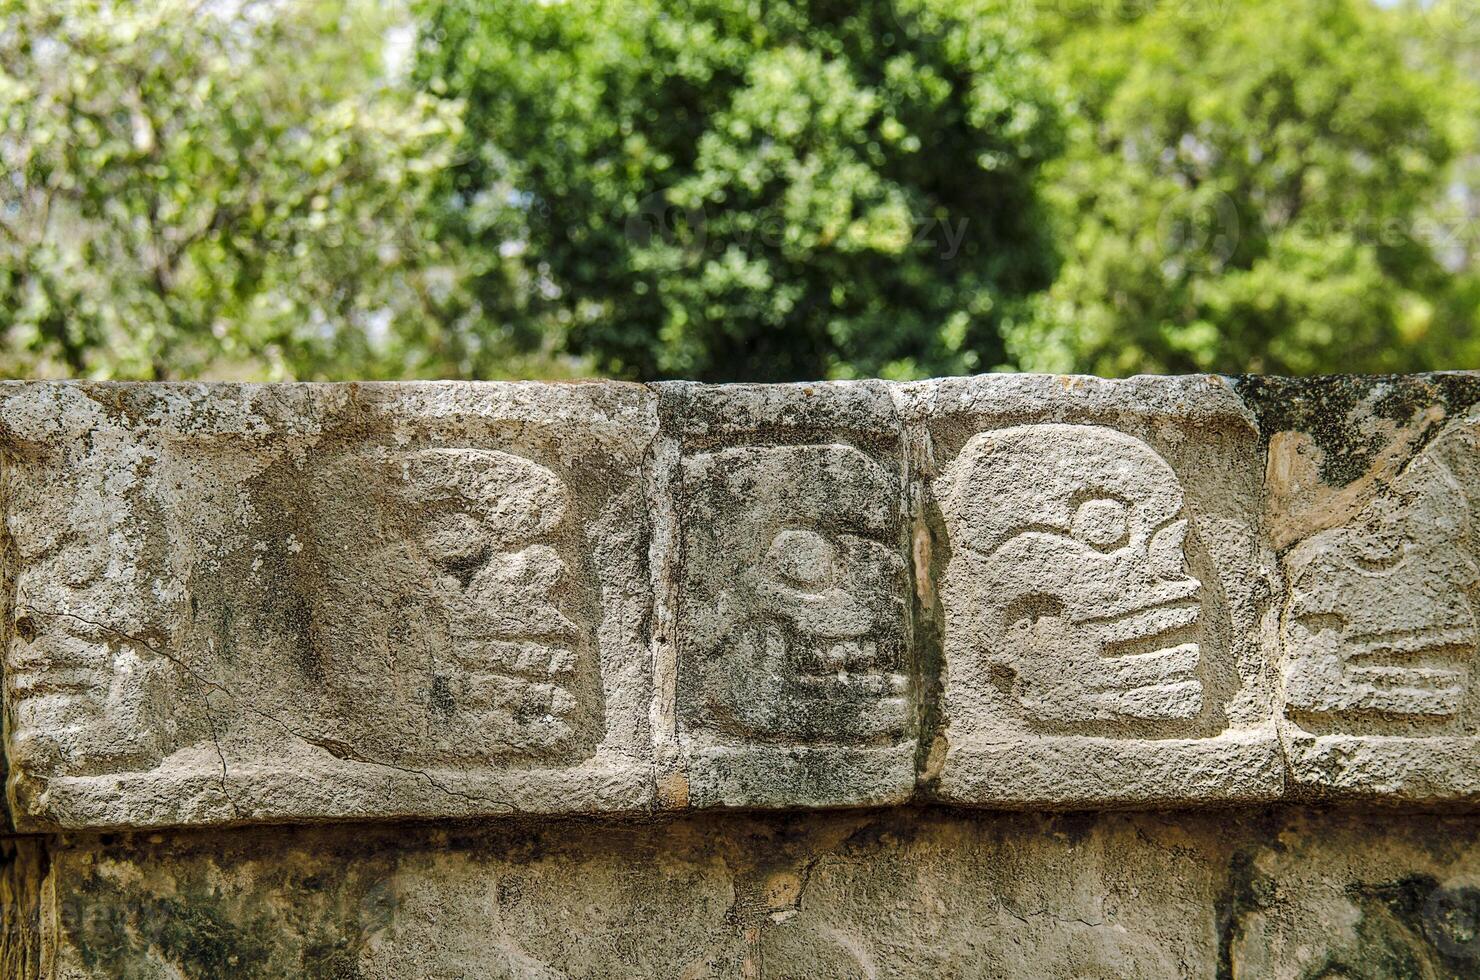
<point x="1379" y="619"/>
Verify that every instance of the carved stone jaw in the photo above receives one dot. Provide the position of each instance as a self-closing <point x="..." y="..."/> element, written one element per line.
<point x="835" y="605"/>
<point x="82" y="698"/>
<point x="814" y="659"/>
<point x="801" y="637"/>
<point x="1140" y="665"/>
<point x="459" y="537"/>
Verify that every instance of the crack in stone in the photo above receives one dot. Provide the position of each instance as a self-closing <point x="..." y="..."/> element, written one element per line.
<point x="1043" y="913"/>
<point x="806" y="879"/>
<point x="337" y="749"/>
<point x="205" y="703"/>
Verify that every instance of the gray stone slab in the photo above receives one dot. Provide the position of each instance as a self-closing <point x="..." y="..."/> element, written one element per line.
<point x="1374" y="503"/>
<point x="822" y="896"/>
<point x="235" y="603"/>
<point x="1102" y="592"/>
<point x="256" y="603"/>
<point x="795" y="660"/>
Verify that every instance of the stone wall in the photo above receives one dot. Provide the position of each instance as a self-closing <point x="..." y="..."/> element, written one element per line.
<point x="528" y="646"/>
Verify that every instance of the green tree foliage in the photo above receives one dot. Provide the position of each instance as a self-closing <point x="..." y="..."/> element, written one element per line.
<point x="1253" y="186"/>
<point x="728" y="189"/>
<point x="223" y="189"/>
<point x="736" y="189"/>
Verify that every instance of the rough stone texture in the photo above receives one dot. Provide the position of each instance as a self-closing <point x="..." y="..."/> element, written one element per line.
<point x="312" y="602"/>
<point x="1372" y="503"/>
<point x="239" y="604"/>
<point x="902" y="892"/>
<point x="567" y="626"/>
<point x="1102" y="592"/>
<point x="795" y="674"/>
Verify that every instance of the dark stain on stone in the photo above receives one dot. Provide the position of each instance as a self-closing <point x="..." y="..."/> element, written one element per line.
<point x="1413" y="927"/>
<point x="205" y="928"/>
<point x="1076" y="826"/>
<point x="1238" y="897"/>
<point x="189" y="932"/>
<point x="928" y="635"/>
<point x="441" y="696"/>
<point x="298" y="623"/>
<point x="25" y="864"/>
<point x="331" y="961"/>
<point x="1451" y="921"/>
<point x="1326" y="408"/>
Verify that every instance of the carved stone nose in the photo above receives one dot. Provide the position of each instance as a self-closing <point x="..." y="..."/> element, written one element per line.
<point x="836" y="613"/>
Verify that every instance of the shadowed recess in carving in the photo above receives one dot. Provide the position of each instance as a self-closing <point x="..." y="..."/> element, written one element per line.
<point x="793" y="615"/>
<point x="1380" y="619"/>
<point x="1067" y="589"/>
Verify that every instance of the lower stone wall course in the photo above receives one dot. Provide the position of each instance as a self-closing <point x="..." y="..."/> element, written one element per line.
<point x="899" y="892"/>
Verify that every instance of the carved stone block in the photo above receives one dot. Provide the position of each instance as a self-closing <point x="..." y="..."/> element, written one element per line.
<point x="1382" y="576"/>
<point x="795" y="666"/>
<point x="1100" y="592"/>
<point x="255" y="603"/>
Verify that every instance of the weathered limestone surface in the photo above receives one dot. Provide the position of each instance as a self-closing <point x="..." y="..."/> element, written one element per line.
<point x="312" y="602"/>
<point x="240" y="604"/>
<point x="899" y="892"/>
<point x="796" y="679"/>
<point x="1374" y="499"/>
<point x="1102" y="589"/>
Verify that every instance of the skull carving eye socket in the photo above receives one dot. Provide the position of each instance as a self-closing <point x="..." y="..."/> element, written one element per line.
<point x="804" y="559"/>
<point x="1103" y="523"/>
<point x="1378" y="554"/>
<point x="1030" y="609"/>
<point x="456" y="544"/>
<point x="452" y="536"/>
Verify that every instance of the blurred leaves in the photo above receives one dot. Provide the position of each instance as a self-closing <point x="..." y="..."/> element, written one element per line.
<point x="1255" y="186"/>
<point x="726" y="189"/>
<point x="736" y="189"/>
<point x="198" y="188"/>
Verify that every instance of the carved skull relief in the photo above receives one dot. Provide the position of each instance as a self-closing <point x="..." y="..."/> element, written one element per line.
<point x="85" y="699"/>
<point x="1379" y="618"/>
<point x="87" y="692"/>
<point x="794" y="608"/>
<point x="1067" y="586"/>
<point x="440" y="600"/>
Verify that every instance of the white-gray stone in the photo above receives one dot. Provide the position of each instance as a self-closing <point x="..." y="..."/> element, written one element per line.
<point x="796" y="677"/>
<point x="300" y="603"/>
<point x="1378" y="627"/>
<point x="1100" y="592"/>
<point x="235" y="603"/>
